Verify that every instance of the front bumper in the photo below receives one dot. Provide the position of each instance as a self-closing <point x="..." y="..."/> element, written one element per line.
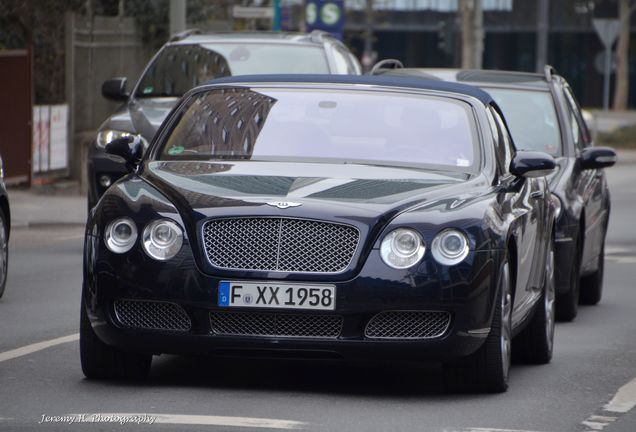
<point x="465" y="291"/>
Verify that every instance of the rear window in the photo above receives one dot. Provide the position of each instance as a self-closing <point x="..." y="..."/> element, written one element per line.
<point x="178" y="68"/>
<point x="531" y="118"/>
<point x="335" y="126"/>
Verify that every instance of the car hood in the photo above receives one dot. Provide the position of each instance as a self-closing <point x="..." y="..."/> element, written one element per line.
<point x="142" y="116"/>
<point x="358" y="194"/>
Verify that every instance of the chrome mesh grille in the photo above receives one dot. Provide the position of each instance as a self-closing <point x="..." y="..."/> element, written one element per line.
<point x="279" y="244"/>
<point x="275" y="325"/>
<point x="152" y="315"/>
<point x="408" y="325"/>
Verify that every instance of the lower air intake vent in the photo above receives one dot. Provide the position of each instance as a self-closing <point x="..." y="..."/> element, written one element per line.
<point x="275" y="325"/>
<point x="408" y="325"/>
<point x="151" y="315"/>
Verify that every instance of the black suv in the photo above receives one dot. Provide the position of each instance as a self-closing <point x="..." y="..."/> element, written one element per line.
<point x="192" y="58"/>
<point x="543" y="115"/>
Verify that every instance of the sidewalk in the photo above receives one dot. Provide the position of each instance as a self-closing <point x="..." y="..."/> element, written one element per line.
<point x="46" y="207"/>
<point x="607" y="121"/>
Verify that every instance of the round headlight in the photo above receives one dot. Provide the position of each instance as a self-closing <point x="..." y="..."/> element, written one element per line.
<point x="402" y="248"/>
<point x="162" y="239"/>
<point x="450" y="247"/>
<point x="120" y="235"/>
<point x="107" y="135"/>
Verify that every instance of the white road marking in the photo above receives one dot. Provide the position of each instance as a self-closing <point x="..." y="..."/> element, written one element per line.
<point x="28" y="349"/>
<point x="204" y="420"/>
<point x="487" y="430"/>
<point x="602" y="418"/>
<point x="624" y="400"/>
<point x="617" y="250"/>
<point x="622" y="259"/>
<point x="597" y="426"/>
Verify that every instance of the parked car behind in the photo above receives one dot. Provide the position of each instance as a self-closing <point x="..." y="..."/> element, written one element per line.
<point x="347" y="216"/>
<point x="5" y="230"/>
<point x="192" y="58"/>
<point x="544" y="115"/>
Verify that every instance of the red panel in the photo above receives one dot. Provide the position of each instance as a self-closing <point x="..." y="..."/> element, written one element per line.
<point x="16" y="111"/>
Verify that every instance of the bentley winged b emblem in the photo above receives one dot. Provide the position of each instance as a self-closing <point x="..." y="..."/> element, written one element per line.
<point x="283" y="204"/>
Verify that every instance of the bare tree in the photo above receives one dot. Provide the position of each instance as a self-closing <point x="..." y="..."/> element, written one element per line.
<point x="621" y="91"/>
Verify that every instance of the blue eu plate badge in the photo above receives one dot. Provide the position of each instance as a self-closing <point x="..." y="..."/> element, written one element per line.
<point x="224" y="293"/>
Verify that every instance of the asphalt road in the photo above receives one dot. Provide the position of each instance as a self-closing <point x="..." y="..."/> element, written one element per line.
<point x="595" y="356"/>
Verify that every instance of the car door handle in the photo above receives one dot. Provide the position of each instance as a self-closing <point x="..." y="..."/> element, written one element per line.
<point x="536" y="194"/>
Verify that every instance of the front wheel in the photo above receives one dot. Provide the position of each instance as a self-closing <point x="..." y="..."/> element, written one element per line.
<point x="487" y="369"/>
<point x="101" y="361"/>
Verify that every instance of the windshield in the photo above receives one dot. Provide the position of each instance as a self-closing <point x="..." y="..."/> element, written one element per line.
<point x="532" y="119"/>
<point x="178" y="68"/>
<point x="335" y="126"/>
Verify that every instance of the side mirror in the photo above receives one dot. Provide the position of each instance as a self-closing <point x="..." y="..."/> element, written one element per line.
<point x="129" y="148"/>
<point x="115" y="89"/>
<point x="532" y="164"/>
<point x="597" y="157"/>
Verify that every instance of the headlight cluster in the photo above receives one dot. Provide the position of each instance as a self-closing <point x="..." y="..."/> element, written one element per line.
<point x="403" y="248"/>
<point x="161" y="239"/>
<point x="107" y="135"/>
<point x="450" y="247"/>
<point x="121" y="235"/>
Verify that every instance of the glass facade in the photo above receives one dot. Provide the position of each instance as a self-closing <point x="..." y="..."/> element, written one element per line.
<point x="425" y="33"/>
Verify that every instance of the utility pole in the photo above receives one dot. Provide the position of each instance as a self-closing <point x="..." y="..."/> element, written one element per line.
<point x="478" y="34"/>
<point x="465" y="15"/>
<point x="177" y="16"/>
<point x="543" y="17"/>
<point x="368" y="57"/>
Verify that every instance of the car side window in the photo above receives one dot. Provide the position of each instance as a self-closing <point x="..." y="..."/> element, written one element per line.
<point x="579" y="129"/>
<point x="499" y="151"/>
<point x="343" y="65"/>
<point x="357" y="68"/>
<point x="503" y="144"/>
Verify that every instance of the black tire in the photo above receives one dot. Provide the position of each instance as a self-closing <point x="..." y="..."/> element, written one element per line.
<point x="535" y="343"/>
<point x="4" y="252"/>
<point x="487" y="369"/>
<point x="592" y="285"/>
<point x="567" y="304"/>
<point x="101" y="361"/>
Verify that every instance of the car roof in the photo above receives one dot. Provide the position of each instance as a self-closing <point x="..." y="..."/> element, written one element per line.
<point x="369" y="80"/>
<point x="194" y="37"/>
<point x="481" y="77"/>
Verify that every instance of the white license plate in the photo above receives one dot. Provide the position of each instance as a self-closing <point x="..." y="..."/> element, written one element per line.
<point x="277" y="295"/>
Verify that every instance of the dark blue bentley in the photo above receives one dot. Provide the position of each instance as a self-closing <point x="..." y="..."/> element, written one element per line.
<point x="352" y="217"/>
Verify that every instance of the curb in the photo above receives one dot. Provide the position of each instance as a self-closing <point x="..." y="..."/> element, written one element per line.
<point x="45" y="224"/>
